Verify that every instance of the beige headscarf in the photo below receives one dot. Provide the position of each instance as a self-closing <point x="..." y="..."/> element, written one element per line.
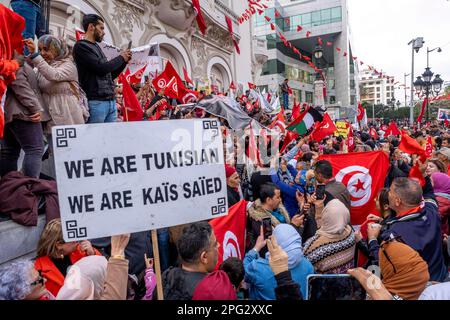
<point x="335" y="220"/>
<point x="85" y="280"/>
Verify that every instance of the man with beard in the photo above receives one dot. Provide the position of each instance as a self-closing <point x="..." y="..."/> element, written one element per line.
<point x="96" y="74"/>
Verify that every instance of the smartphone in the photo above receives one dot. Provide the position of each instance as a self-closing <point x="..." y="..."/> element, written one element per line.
<point x="130" y="44"/>
<point x="320" y="192"/>
<point x="334" y="287"/>
<point x="267" y="227"/>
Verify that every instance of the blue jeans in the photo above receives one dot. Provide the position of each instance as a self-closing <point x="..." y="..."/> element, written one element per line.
<point x="22" y="135"/>
<point x="102" y="111"/>
<point x="286" y="100"/>
<point x="34" y="24"/>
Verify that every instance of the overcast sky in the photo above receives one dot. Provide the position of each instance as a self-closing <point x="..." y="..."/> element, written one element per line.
<point x="381" y="30"/>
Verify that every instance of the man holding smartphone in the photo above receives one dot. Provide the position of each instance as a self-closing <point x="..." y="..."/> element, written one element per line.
<point x="326" y="183"/>
<point x="96" y="73"/>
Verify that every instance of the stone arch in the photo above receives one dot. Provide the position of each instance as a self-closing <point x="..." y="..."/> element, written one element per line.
<point x="173" y="50"/>
<point x="219" y="71"/>
<point x="86" y="7"/>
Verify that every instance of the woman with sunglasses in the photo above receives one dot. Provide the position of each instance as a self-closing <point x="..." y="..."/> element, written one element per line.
<point x="21" y="281"/>
<point x="54" y="255"/>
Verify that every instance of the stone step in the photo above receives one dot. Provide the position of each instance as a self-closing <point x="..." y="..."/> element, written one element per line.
<point x="17" y="241"/>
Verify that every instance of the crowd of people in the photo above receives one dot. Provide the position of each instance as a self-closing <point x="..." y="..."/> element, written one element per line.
<point x="407" y="236"/>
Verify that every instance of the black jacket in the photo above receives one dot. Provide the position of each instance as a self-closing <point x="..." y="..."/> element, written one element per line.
<point x="179" y="284"/>
<point x="95" y="72"/>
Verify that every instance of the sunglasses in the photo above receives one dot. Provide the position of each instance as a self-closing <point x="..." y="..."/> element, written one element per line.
<point x="40" y="280"/>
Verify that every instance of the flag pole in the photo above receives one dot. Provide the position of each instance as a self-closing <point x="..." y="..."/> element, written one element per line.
<point x="159" y="288"/>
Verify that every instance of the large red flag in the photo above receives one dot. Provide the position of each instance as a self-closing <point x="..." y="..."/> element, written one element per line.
<point x="411" y="146"/>
<point x="11" y="27"/>
<point x="132" y="109"/>
<point x="415" y="174"/>
<point x="290" y="136"/>
<point x="323" y="129"/>
<point x="363" y="174"/>
<point x="429" y="147"/>
<point x="137" y="76"/>
<point x="230" y="232"/>
<point x="178" y="90"/>
<point x="200" y="21"/>
<point x="392" y="130"/>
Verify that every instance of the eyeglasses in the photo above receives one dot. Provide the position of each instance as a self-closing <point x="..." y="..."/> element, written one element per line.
<point x="40" y="280"/>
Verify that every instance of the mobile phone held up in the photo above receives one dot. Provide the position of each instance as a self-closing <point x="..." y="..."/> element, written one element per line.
<point x="130" y="44"/>
<point x="334" y="287"/>
<point x="320" y="192"/>
<point x="267" y="227"/>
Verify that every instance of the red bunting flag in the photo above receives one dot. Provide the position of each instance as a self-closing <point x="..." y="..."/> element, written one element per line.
<point x="338" y="49"/>
<point x="299" y="28"/>
<point x="422" y="111"/>
<point x="199" y="18"/>
<point x="308" y="34"/>
<point x="260" y="12"/>
<point x="323" y="129"/>
<point x="329" y="44"/>
<point x="345" y="53"/>
<point x="232" y="86"/>
<point x="277" y="14"/>
<point x="363" y="174"/>
<point x="307" y="58"/>
<point x="133" y="110"/>
<point x="251" y="85"/>
<point x="361" y="62"/>
<point x="267" y="18"/>
<point x="319" y="41"/>
<point x="230" y="232"/>
<point x="272" y="26"/>
<point x="186" y="76"/>
<point x="230" y="30"/>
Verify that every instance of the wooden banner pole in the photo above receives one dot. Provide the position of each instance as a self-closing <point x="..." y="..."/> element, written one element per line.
<point x="157" y="265"/>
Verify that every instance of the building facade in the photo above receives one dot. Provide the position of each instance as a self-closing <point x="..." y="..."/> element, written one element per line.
<point x="327" y="19"/>
<point x="209" y="59"/>
<point x="376" y="88"/>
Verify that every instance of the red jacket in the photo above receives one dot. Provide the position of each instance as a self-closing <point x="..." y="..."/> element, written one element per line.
<point x="55" y="279"/>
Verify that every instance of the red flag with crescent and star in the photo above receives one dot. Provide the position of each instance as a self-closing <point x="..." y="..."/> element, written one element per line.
<point x="363" y="173"/>
<point x="230" y="232"/>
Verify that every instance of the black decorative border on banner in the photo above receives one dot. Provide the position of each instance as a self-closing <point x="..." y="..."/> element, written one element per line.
<point x="74" y="232"/>
<point x="211" y="125"/>
<point x="63" y="135"/>
<point x="220" y="208"/>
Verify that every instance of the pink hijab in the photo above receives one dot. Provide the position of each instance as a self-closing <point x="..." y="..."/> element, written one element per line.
<point x="441" y="182"/>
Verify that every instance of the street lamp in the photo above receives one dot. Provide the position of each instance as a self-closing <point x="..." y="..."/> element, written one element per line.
<point x="319" y="82"/>
<point x="318" y="52"/>
<point x="415" y="44"/>
<point x="428" y="87"/>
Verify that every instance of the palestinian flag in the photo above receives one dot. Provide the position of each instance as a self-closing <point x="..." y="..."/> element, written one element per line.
<point x="305" y="121"/>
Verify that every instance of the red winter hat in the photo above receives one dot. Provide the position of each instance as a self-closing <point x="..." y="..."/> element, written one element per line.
<point x="229" y="171"/>
<point x="215" y="286"/>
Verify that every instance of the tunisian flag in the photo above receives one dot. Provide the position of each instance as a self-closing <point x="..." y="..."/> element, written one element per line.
<point x="230" y="232"/>
<point x="137" y="76"/>
<point x="361" y="112"/>
<point x="132" y="109"/>
<point x="177" y="90"/>
<point x="324" y="128"/>
<point x="363" y="174"/>
<point x="392" y="130"/>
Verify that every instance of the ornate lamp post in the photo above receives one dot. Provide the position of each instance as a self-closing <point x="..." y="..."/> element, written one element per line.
<point x="428" y="86"/>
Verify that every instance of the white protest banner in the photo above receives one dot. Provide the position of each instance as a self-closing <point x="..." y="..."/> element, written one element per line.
<point x="118" y="178"/>
<point x="146" y="55"/>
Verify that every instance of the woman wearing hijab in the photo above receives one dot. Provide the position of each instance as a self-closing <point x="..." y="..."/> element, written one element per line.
<point x="404" y="273"/>
<point x="233" y="182"/>
<point x="260" y="276"/>
<point x="58" y="81"/>
<point x="441" y="185"/>
<point x="332" y="249"/>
